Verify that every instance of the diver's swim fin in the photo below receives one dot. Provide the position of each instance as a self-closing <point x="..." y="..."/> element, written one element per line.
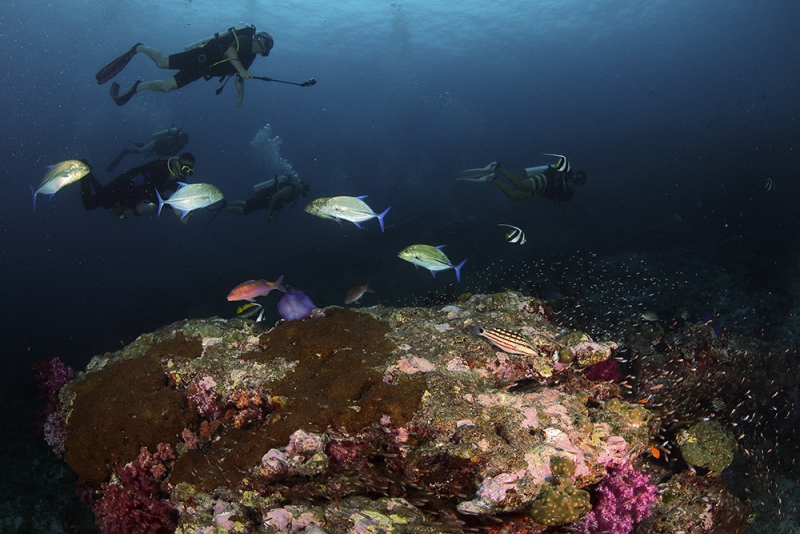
<point x="116" y="161"/>
<point x="484" y="174"/>
<point x="122" y="99"/>
<point x="112" y="69"/>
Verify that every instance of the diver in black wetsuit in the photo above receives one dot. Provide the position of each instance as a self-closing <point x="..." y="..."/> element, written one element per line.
<point x="272" y="195"/>
<point x="163" y="144"/>
<point x="133" y="192"/>
<point x="225" y="54"/>
<point x="554" y="182"/>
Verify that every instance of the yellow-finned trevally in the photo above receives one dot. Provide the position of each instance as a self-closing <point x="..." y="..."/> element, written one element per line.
<point x="431" y="258"/>
<point x="315" y="207"/>
<point x="190" y="197"/>
<point x="342" y="208"/>
<point x="60" y="175"/>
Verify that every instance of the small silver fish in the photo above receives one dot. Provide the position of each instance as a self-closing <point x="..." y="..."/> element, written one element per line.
<point x="515" y="235"/>
<point x="59" y="176"/>
<point x="343" y="208"/>
<point x="506" y="340"/>
<point x="650" y="316"/>
<point x="190" y="197"/>
<point x="431" y="258"/>
<point x="677" y="217"/>
<point x="769" y="185"/>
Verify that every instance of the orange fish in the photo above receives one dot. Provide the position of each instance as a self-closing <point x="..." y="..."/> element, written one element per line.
<point x="255" y="288"/>
<point x="655" y="451"/>
<point x="356" y="293"/>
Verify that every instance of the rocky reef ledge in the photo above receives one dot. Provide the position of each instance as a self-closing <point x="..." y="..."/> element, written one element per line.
<point x="375" y="420"/>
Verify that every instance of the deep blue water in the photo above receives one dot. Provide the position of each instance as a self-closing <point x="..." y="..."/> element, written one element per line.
<point x="669" y="106"/>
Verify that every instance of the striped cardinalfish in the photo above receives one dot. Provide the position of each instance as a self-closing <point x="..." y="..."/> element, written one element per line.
<point x="506" y="340"/>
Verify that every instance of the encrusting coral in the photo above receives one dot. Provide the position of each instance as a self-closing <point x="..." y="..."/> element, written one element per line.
<point x="381" y="419"/>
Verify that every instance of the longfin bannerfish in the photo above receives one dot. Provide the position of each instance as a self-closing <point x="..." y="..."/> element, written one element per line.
<point x="506" y="340"/>
<point x="562" y="163"/>
<point x="246" y="311"/>
<point x="515" y="235"/>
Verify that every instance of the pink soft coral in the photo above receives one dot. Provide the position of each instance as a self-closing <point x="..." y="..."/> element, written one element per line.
<point x="51" y="375"/>
<point x="624" y="498"/>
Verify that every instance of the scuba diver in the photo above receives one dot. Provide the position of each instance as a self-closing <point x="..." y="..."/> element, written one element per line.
<point x="271" y="195"/>
<point x="554" y="182"/>
<point x="223" y="55"/>
<point x="133" y="192"/>
<point x="163" y="144"/>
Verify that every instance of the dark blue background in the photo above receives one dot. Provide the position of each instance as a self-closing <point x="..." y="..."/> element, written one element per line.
<point x="669" y="107"/>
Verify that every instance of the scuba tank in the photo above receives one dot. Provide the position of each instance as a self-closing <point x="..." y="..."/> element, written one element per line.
<point x="530" y="172"/>
<point x="203" y="42"/>
<point x="172" y="132"/>
<point x="267" y="184"/>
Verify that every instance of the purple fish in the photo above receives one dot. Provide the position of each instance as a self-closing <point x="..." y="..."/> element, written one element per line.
<point x="295" y="305"/>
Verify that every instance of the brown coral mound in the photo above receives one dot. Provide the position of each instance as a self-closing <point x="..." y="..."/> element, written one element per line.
<point x="118" y="410"/>
<point x="336" y="382"/>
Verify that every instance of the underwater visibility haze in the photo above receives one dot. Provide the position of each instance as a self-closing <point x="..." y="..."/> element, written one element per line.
<point x="683" y="115"/>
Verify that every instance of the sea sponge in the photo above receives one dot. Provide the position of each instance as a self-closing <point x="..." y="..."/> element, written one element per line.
<point x="559" y="504"/>
<point x="707" y="444"/>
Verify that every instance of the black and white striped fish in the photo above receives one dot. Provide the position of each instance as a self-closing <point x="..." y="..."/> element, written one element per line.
<point x="506" y="340"/>
<point x="515" y="235"/>
<point x="562" y="163"/>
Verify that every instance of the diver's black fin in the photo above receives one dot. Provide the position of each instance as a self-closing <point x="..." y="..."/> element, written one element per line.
<point x="112" y="69"/>
<point x="122" y="99"/>
<point x="115" y="161"/>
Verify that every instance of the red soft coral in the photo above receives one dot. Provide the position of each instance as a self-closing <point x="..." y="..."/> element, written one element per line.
<point x="138" y="503"/>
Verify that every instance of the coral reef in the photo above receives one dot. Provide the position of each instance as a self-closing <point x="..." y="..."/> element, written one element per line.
<point x="377" y="420"/>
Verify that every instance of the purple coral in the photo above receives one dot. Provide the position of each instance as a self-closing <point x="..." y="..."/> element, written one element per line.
<point x="624" y="498"/>
<point x="51" y="375"/>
